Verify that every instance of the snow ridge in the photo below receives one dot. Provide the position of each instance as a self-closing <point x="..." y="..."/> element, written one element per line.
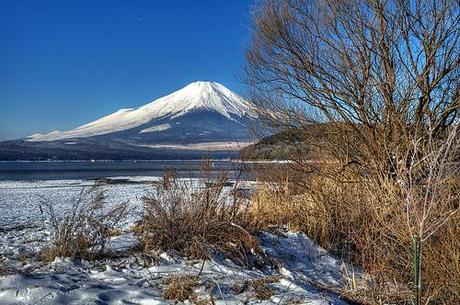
<point x="197" y="96"/>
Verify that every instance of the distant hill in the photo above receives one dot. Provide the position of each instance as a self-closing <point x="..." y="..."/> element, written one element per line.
<point x="280" y="146"/>
<point x="292" y="142"/>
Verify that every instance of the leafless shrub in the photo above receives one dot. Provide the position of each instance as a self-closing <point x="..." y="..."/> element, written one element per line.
<point x="371" y="224"/>
<point x="380" y="81"/>
<point x="195" y="220"/>
<point x="425" y="192"/>
<point x="88" y="224"/>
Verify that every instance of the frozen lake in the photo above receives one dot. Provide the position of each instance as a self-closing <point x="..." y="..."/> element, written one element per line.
<point x="26" y="185"/>
<point x="53" y="170"/>
<point x="22" y="222"/>
<point x="24" y="231"/>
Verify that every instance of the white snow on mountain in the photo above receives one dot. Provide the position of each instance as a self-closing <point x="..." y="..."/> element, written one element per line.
<point x="197" y="96"/>
<point x="159" y="127"/>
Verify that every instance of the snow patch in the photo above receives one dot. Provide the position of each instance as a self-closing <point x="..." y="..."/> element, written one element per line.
<point x="205" y="146"/>
<point x="160" y="127"/>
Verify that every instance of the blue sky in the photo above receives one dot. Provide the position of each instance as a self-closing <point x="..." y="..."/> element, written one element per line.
<point x="65" y="63"/>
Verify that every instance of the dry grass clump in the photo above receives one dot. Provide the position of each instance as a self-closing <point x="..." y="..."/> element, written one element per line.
<point x="6" y="270"/>
<point x="373" y="218"/>
<point x="196" y="221"/>
<point x="261" y="289"/>
<point x="444" y="268"/>
<point x="88" y="224"/>
<point x="180" y="287"/>
<point x="367" y="224"/>
<point x="275" y="204"/>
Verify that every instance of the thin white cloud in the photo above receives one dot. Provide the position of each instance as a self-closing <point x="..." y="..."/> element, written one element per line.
<point x="136" y="17"/>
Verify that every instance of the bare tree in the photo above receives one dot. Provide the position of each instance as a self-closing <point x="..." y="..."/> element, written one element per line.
<point x="380" y="71"/>
<point x="378" y="83"/>
<point x="431" y="198"/>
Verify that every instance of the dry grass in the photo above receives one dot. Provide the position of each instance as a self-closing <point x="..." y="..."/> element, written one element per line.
<point x="6" y="270"/>
<point x="261" y="289"/>
<point x="370" y="219"/>
<point x="180" y="287"/>
<point x="366" y="223"/>
<point x="276" y="204"/>
<point x="88" y="224"/>
<point x="196" y="223"/>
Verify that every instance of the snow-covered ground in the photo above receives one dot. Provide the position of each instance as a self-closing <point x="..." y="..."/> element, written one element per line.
<point x="306" y="273"/>
<point x="22" y="223"/>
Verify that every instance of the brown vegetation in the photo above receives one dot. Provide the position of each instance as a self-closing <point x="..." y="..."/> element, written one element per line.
<point x="261" y="289"/>
<point x="180" y="287"/>
<point x="6" y="270"/>
<point x="196" y="222"/>
<point x="380" y="81"/>
<point x="364" y="224"/>
<point x="88" y="224"/>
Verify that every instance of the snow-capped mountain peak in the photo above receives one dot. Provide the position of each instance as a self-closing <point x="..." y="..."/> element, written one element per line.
<point x="201" y="95"/>
<point x="210" y="97"/>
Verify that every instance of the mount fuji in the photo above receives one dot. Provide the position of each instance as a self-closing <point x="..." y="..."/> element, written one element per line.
<point x="201" y="117"/>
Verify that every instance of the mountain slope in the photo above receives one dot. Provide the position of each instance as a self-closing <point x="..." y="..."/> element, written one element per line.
<point x="216" y="108"/>
<point x="201" y="118"/>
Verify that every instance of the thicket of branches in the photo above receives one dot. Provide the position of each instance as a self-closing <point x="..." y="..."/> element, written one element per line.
<point x="384" y="71"/>
<point x="381" y="79"/>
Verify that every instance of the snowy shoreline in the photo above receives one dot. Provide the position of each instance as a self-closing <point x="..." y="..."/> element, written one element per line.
<point x="303" y="266"/>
